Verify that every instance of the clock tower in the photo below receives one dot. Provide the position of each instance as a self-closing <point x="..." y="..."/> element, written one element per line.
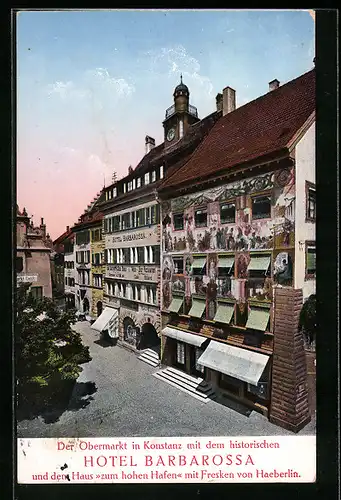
<point x="179" y="116"/>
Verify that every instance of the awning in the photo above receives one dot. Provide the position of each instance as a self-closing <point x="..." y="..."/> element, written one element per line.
<point x="102" y="321"/>
<point x="259" y="263"/>
<point x="258" y="319"/>
<point x="197" y="309"/>
<point x="176" y="304"/>
<point x="188" y="338"/>
<point x="224" y="313"/>
<point x="226" y="262"/>
<point x="198" y="263"/>
<point x="238" y="363"/>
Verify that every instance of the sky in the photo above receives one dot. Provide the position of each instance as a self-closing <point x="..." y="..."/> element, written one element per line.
<point x="92" y="84"/>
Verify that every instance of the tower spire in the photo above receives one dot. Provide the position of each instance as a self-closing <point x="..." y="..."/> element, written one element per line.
<point x="180" y="77"/>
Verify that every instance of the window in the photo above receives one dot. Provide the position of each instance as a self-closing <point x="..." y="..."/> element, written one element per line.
<point x="36" y="292"/>
<point x="96" y="259"/>
<point x="229" y="383"/>
<point x="114" y="192"/>
<point x="310" y="202"/>
<point x="199" y="265"/>
<point x="227" y="213"/>
<point x="124" y="187"/>
<point x="181" y="128"/>
<point x="310" y="260"/>
<point x="161" y="172"/>
<point x="140" y="255"/>
<point x="130" y="186"/>
<point x="154" y="176"/>
<point x="225" y="265"/>
<point x="19" y="264"/>
<point x="140" y="217"/>
<point x="200" y="218"/>
<point x="126" y="221"/>
<point x="138" y="182"/>
<point x="261" y="207"/>
<point x="178" y="265"/>
<point x="146" y="178"/>
<point x="178" y="221"/>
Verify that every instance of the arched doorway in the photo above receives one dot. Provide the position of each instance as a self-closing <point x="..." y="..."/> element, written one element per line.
<point x="99" y="308"/>
<point x="149" y="337"/>
<point x="86" y="305"/>
<point x="130" y="332"/>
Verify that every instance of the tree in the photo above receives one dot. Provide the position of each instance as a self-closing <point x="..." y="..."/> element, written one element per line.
<point x="307" y="322"/>
<point x="48" y="351"/>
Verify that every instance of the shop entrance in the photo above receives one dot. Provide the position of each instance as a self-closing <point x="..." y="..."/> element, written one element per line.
<point x="149" y="338"/>
<point x="186" y="359"/>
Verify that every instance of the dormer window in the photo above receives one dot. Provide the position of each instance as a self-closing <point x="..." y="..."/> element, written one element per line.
<point x="181" y="128"/>
<point x="114" y="192"/>
<point x="154" y="176"/>
<point x="130" y="186"/>
<point x="146" y="178"/>
<point x="161" y="172"/>
<point x="138" y="182"/>
<point x="124" y="188"/>
<point x="134" y="183"/>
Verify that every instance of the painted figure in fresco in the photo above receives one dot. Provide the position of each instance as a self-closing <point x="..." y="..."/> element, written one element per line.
<point x="213" y="238"/>
<point x="212" y="289"/>
<point x="199" y="286"/>
<point x="287" y="228"/>
<point x="167" y="274"/>
<point x="242" y="265"/>
<point x="178" y="285"/>
<point x="188" y="265"/>
<point x="230" y="241"/>
<point x="241" y="240"/>
<point x="221" y="241"/>
<point x="166" y="294"/>
<point x="283" y="269"/>
<point x="212" y="271"/>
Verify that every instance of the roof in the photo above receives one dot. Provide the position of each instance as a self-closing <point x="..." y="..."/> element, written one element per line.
<point x="160" y="154"/>
<point x="62" y="237"/>
<point x="260" y="127"/>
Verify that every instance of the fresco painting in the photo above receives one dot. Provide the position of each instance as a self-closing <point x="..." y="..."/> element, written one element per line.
<point x="242" y="236"/>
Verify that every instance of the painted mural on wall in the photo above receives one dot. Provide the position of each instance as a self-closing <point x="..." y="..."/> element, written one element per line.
<point x="283" y="269"/>
<point x="241" y="234"/>
<point x="274" y="231"/>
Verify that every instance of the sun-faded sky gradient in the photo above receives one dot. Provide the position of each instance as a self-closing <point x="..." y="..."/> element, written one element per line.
<point x="92" y="84"/>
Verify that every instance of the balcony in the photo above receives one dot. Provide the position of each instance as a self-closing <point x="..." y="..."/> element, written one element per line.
<point x="192" y="110"/>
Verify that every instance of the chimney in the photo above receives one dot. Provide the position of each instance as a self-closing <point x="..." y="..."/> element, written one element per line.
<point x="130" y="170"/>
<point x="150" y="143"/>
<point x="219" y="102"/>
<point x="273" y="85"/>
<point x="43" y="227"/>
<point x="67" y="228"/>
<point x="42" y="221"/>
<point x="229" y="100"/>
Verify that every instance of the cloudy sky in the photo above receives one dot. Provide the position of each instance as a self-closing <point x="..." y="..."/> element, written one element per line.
<point x="92" y="84"/>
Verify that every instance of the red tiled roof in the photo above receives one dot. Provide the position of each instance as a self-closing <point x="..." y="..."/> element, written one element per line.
<point x="62" y="237"/>
<point x="258" y="128"/>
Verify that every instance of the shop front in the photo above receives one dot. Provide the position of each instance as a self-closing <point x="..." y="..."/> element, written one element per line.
<point x="238" y="373"/>
<point x="183" y="349"/>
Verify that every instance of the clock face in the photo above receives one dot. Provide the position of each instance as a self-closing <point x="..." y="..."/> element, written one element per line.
<point x="170" y="134"/>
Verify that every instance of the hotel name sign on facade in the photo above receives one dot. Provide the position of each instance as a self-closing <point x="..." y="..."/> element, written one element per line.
<point x="134" y="272"/>
<point x="128" y="239"/>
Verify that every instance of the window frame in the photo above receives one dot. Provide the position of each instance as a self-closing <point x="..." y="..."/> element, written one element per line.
<point x="183" y="221"/>
<point x="309" y="186"/>
<point x="228" y="202"/>
<point x="204" y="210"/>
<point x="308" y="245"/>
<point x="266" y="194"/>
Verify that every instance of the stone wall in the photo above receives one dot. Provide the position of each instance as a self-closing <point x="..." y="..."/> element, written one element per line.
<point x="289" y="389"/>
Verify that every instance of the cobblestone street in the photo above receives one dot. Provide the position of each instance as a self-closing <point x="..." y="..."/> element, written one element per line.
<point x="129" y="402"/>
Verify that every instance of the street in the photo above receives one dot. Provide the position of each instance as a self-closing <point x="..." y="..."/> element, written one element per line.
<point x="130" y="402"/>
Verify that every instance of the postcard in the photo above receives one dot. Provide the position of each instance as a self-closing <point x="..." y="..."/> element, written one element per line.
<point x="166" y="249"/>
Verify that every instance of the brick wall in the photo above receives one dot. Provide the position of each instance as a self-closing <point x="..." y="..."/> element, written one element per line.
<point x="289" y="390"/>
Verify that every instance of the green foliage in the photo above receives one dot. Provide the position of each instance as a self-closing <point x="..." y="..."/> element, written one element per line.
<point x="48" y="351"/>
<point x="308" y="319"/>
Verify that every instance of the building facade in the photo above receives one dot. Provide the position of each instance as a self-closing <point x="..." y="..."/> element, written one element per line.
<point x="238" y="252"/>
<point x="33" y="263"/>
<point x="86" y="285"/>
<point x="65" y="256"/>
<point x="131" y="226"/>
<point x="97" y="266"/>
